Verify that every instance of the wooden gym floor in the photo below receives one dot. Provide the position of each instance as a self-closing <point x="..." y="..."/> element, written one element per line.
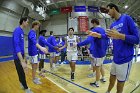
<point x="59" y="81"/>
<point x="9" y="82"/>
<point x="81" y="84"/>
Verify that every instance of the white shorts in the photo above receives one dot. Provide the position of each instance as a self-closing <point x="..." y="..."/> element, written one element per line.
<point x="52" y="54"/>
<point x="33" y="59"/>
<point x="42" y="56"/>
<point x="98" y="61"/>
<point x="72" y="56"/>
<point x="57" y="54"/>
<point x="121" y="71"/>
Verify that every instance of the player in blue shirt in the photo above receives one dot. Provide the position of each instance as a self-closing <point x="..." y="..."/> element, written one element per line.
<point x="43" y="42"/>
<point x="32" y="50"/>
<point x="63" y="51"/>
<point x="19" y="55"/>
<point x="52" y="51"/>
<point x="89" y="40"/>
<point x="124" y="33"/>
<point x="99" y="51"/>
<point x="57" y="53"/>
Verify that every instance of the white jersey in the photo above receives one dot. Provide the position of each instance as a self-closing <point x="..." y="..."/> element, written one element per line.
<point x="71" y="42"/>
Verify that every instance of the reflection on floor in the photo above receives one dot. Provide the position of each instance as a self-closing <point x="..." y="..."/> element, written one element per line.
<point x="9" y="82"/>
<point x="61" y="76"/>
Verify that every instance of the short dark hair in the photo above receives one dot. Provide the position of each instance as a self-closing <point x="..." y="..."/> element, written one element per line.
<point x="42" y="31"/>
<point x="22" y="19"/>
<point x="94" y="20"/>
<point x="51" y="32"/>
<point x="56" y="37"/>
<point x="111" y="5"/>
<point x="71" y="29"/>
<point x="34" y="23"/>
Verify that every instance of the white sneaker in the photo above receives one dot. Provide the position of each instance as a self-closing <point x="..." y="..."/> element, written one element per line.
<point x="37" y="78"/>
<point x="94" y="84"/>
<point x="64" y="62"/>
<point x="28" y="90"/>
<point x="22" y="87"/>
<point x="61" y="63"/>
<point x="36" y="81"/>
<point x="103" y="80"/>
<point x="91" y="75"/>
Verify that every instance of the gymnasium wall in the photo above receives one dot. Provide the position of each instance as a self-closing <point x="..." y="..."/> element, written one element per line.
<point x="57" y="23"/>
<point x="10" y="13"/>
<point x="105" y="21"/>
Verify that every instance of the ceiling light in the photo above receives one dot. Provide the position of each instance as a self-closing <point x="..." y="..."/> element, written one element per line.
<point x="48" y="1"/>
<point x="126" y="6"/>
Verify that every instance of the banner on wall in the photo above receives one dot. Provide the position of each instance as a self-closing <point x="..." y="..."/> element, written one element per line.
<point x="80" y="8"/>
<point x="66" y="9"/>
<point x="93" y="9"/>
<point x="83" y="23"/>
<point x="54" y="12"/>
<point x="73" y="22"/>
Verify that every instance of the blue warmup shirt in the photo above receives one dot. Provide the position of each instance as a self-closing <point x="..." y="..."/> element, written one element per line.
<point x="43" y="42"/>
<point x="123" y="50"/>
<point x="52" y="41"/>
<point x="88" y="40"/>
<point x="100" y="44"/>
<point x="18" y="42"/>
<point x="32" y="49"/>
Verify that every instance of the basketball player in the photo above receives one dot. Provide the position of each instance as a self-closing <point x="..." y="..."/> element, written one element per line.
<point x="125" y="35"/>
<point x="89" y="40"/>
<point x="71" y="44"/>
<point x="32" y="50"/>
<point x="19" y="56"/>
<point x="57" y="53"/>
<point x="52" y="51"/>
<point x="63" y="51"/>
<point x="43" y="42"/>
<point x="99" y="52"/>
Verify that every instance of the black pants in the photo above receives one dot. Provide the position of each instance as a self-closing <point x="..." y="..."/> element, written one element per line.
<point x="63" y="55"/>
<point x="41" y="64"/>
<point x="21" y="74"/>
